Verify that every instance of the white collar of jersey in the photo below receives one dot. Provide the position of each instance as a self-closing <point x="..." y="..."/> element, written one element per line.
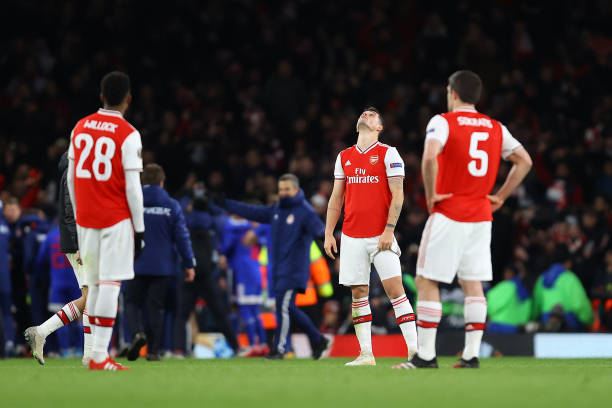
<point x="366" y="150"/>
<point x="465" y="109"/>
<point x="109" y="112"/>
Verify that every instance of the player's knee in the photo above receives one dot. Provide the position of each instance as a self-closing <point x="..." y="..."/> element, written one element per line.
<point x="471" y="288"/>
<point x="394" y="287"/>
<point x="423" y="283"/>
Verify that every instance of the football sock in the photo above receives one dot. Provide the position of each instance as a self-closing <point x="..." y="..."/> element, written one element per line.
<point x="92" y="297"/>
<point x="475" y="313"/>
<point x="362" y="320"/>
<point x="429" y="315"/>
<point x="87" y="338"/>
<point x="406" y="321"/>
<point x="106" y="311"/>
<point x="67" y="314"/>
<point x="250" y="325"/>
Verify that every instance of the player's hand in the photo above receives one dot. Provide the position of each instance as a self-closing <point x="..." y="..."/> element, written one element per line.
<point x="139" y="244"/>
<point x="386" y="240"/>
<point x="496" y="202"/>
<point x="435" y="199"/>
<point x="329" y="245"/>
<point x="78" y="257"/>
<point x="189" y="274"/>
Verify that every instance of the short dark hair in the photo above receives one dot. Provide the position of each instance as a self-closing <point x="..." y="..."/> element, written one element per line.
<point x="372" y="108"/>
<point x="467" y="84"/>
<point x="153" y="174"/>
<point x="291" y="177"/>
<point x="114" y="87"/>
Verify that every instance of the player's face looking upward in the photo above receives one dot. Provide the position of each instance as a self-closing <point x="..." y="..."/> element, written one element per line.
<point x="286" y="189"/>
<point x="369" y="121"/>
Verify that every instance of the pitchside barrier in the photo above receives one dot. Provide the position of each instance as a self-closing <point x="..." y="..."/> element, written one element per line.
<point x="539" y="345"/>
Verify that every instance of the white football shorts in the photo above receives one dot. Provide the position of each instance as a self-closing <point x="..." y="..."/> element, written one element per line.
<point x="107" y="253"/>
<point x="358" y="254"/>
<point x="79" y="271"/>
<point x="450" y="248"/>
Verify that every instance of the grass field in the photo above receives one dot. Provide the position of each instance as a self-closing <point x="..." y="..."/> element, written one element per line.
<point x="500" y="382"/>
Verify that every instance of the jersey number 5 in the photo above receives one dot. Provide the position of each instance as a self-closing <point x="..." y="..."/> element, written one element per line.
<point x="101" y="166"/>
<point x="478" y="155"/>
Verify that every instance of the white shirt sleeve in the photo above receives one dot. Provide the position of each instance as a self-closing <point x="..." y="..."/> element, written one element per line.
<point x="437" y="129"/>
<point x="394" y="165"/>
<point x="70" y="183"/>
<point x="338" y="170"/>
<point x="133" y="193"/>
<point x="71" y="147"/>
<point x="509" y="143"/>
<point x="131" y="152"/>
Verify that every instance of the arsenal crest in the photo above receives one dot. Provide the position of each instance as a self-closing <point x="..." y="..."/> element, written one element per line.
<point x="374" y="159"/>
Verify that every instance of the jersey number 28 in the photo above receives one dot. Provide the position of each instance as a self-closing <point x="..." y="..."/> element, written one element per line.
<point x="478" y="155"/>
<point x="103" y="153"/>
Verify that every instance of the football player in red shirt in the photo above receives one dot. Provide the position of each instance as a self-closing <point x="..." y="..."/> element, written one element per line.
<point x="369" y="180"/>
<point x="104" y="185"/>
<point x="460" y="161"/>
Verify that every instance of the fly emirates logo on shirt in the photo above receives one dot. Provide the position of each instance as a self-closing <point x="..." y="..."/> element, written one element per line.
<point x="361" y="177"/>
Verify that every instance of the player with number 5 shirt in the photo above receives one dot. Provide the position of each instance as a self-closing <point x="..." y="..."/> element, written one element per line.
<point x="104" y="185"/>
<point x="463" y="149"/>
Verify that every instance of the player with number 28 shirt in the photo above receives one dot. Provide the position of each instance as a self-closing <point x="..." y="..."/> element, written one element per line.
<point x="104" y="185"/>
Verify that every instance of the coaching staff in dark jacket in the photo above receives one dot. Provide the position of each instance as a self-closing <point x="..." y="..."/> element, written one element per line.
<point x="165" y="234"/>
<point x="294" y="224"/>
<point x="200" y="222"/>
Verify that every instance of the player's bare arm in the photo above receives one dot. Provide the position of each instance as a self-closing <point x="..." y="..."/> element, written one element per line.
<point x="396" y="186"/>
<point x="429" y="170"/>
<point x="521" y="165"/>
<point x="334" y="207"/>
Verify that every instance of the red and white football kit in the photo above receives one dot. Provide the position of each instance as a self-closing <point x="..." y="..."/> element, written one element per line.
<point x="457" y="235"/>
<point x="103" y="147"/>
<point x="366" y="210"/>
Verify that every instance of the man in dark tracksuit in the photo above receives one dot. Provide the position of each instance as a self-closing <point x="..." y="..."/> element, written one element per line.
<point x="165" y="233"/>
<point x="68" y="245"/>
<point x="294" y="224"/>
<point x="201" y="223"/>
<point x="6" y="317"/>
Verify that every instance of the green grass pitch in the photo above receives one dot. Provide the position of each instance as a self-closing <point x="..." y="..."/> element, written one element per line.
<point x="500" y="382"/>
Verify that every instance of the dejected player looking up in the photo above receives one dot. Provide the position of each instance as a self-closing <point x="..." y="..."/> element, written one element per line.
<point x="369" y="180"/>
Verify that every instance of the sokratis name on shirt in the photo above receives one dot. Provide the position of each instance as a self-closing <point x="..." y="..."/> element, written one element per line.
<point x="99" y="125"/>
<point x="480" y="122"/>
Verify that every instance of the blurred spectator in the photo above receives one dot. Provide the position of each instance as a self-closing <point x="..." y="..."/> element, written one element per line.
<point x="560" y="302"/>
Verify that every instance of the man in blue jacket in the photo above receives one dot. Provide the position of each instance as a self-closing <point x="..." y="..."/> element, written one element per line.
<point x="294" y="224"/>
<point x="165" y="234"/>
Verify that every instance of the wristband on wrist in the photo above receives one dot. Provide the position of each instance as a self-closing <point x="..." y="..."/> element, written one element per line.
<point x="391" y="225"/>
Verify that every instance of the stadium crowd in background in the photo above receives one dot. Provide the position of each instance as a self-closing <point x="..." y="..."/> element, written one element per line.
<point x="235" y="94"/>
